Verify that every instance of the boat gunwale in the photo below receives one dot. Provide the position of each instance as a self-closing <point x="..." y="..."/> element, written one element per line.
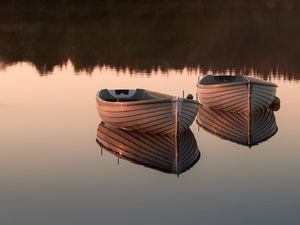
<point x="163" y="98"/>
<point x="245" y="81"/>
<point x="208" y="86"/>
<point x="261" y="82"/>
<point x="129" y="103"/>
<point x="142" y="102"/>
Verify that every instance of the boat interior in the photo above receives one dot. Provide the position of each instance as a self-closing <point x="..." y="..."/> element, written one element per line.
<point x="220" y="79"/>
<point x="125" y="95"/>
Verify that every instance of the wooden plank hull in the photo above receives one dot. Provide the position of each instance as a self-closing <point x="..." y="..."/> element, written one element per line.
<point x="153" y="116"/>
<point x="240" y="96"/>
<point x="242" y="128"/>
<point x="262" y="96"/>
<point x="187" y="112"/>
<point x="161" y="152"/>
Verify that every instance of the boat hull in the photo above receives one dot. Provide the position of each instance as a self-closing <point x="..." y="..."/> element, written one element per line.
<point x="153" y="116"/>
<point x="250" y="94"/>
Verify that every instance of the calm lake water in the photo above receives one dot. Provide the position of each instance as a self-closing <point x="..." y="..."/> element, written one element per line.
<point x="52" y="170"/>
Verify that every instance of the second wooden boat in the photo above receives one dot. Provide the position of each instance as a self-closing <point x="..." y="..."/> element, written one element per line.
<point x="165" y="153"/>
<point x="235" y="93"/>
<point x="146" y="111"/>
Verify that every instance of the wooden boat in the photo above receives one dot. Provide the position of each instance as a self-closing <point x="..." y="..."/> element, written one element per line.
<point x="235" y="93"/>
<point x="165" y="153"/>
<point x="146" y="111"/>
<point x="242" y="128"/>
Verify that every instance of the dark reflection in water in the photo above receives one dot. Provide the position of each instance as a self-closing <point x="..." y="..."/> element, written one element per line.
<point x="242" y="128"/>
<point x="239" y="36"/>
<point x="165" y="153"/>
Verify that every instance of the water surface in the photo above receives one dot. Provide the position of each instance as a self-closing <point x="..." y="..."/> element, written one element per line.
<point x="52" y="170"/>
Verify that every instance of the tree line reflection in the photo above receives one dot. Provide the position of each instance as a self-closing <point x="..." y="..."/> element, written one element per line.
<point x="240" y="36"/>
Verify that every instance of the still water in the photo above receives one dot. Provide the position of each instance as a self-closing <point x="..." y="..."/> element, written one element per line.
<point x="52" y="170"/>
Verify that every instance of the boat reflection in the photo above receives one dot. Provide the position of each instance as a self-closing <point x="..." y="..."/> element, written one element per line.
<point x="242" y="128"/>
<point x="164" y="153"/>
